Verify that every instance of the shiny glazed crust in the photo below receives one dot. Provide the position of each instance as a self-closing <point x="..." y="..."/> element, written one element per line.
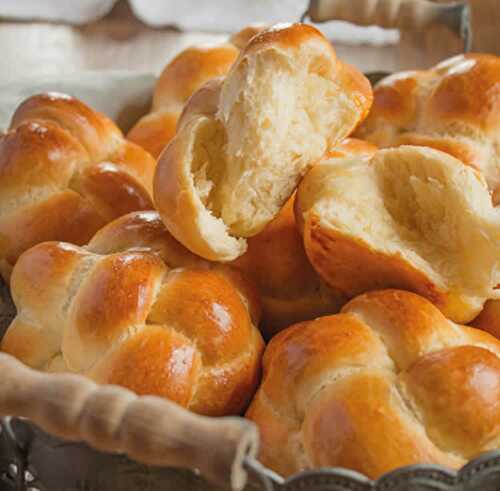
<point x="125" y="318"/>
<point x="453" y="107"/>
<point x="183" y="76"/>
<point x="189" y="70"/>
<point x="231" y="168"/>
<point x="387" y="382"/>
<point x="65" y="171"/>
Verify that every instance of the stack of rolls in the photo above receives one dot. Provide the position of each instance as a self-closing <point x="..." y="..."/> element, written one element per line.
<point x="357" y="239"/>
<point x="183" y="76"/>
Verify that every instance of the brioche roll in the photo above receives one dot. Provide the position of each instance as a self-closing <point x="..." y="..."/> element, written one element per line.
<point x="412" y="218"/>
<point x="65" y="171"/>
<point x="125" y="318"/>
<point x="489" y="318"/>
<point x="386" y="383"/>
<point x="276" y="261"/>
<point x="183" y="76"/>
<point x="453" y="107"/>
<point x="189" y="70"/>
<point x="232" y="166"/>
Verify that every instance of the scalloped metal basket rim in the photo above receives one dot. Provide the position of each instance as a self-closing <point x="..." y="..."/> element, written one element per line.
<point x="432" y="474"/>
<point x="462" y="475"/>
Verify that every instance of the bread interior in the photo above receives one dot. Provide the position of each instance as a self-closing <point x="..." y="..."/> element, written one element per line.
<point x="277" y="115"/>
<point x="424" y="206"/>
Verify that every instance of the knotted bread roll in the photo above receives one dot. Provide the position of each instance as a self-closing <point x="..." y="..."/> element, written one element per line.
<point x="388" y="382"/>
<point x="185" y="74"/>
<point x="243" y="145"/>
<point x="65" y="171"/>
<point x="127" y="319"/>
<point x="412" y="218"/>
<point x="453" y="107"/>
<point x="276" y="261"/>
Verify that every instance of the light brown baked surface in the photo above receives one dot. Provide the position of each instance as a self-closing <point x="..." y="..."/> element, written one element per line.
<point x="65" y="171"/>
<point x="276" y="261"/>
<point x="412" y="218"/>
<point x="241" y="149"/>
<point x="489" y="318"/>
<point x="388" y="382"/>
<point x="179" y="80"/>
<point x="453" y="107"/>
<point x="187" y="72"/>
<point x="125" y="318"/>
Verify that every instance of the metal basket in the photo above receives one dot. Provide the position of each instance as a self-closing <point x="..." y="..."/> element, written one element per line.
<point x="32" y="459"/>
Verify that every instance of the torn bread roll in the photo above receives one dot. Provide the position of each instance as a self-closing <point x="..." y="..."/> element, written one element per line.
<point x="276" y="261"/>
<point x="185" y="74"/>
<point x="386" y="383"/>
<point x="237" y="158"/>
<point x="412" y="218"/>
<point x="453" y="107"/>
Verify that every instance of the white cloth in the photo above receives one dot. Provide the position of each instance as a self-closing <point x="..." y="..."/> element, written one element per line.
<point x="123" y="96"/>
<point x="193" y="15"/>
<point x="70" y="11"/>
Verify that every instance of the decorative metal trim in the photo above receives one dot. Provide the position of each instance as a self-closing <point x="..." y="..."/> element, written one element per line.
<point x="19" y="439"/>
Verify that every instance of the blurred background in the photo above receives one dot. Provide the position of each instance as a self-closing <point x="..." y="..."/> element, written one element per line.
<point x="94" y="48"/>
<point x="60" y="36"/>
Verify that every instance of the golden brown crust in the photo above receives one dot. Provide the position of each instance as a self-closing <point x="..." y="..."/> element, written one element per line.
<point x="231" y="167"/>
<point x="65" y="170"/>
<point x="453" y="107"/>
<point x="467" y="418"/>
<point x="188" y="71"/>
<point x="157" y="361"/>
<point x="125" y="318"/>
<point x="393" y="221"/>
<point x="386" y="383"/>
<point x="182" y="77"/>
<point x="96" y="132"/>
<point x="153" y="131"/>
<point x="241" y="38"/>
<point x="489" y="318"/>
<point x="353" y="267"/>
<point x="276" y="261"/>
<point x="144" y="231"/>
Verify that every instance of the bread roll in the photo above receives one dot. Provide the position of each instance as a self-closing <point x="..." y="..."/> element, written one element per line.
<point x="65" y="171"/>
<point x="412" y="218"/>
<point x="127" y="319"/>
<point x="489" y="318"/>
<point x="189" y="70"/>
<point x="237" y="158"/>
<point x="453" y="107"/>
<point x="386" y="383"/>
<point x="185" y="74"/>
<point x="275" y="260"/>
